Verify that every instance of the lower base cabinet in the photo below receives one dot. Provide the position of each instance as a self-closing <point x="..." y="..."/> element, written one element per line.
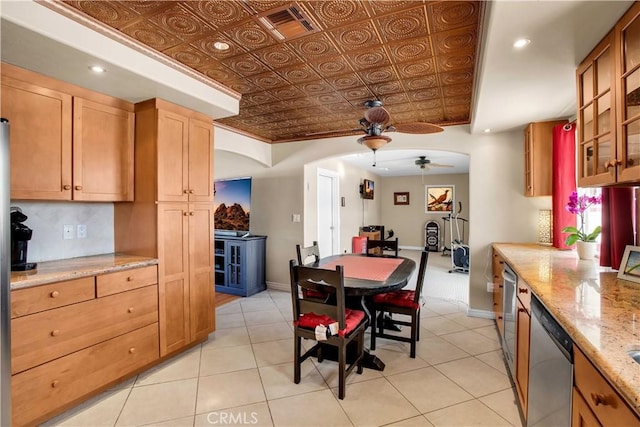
<point x="240" y="265"/>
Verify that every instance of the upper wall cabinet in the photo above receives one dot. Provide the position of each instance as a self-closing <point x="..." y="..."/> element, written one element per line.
<point x="609" y="107"/>
<point x="67" y="143"/>
<point x="538" y="155"/>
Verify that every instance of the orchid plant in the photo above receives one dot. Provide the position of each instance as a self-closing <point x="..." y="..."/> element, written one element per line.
<point x="578" y="205"/>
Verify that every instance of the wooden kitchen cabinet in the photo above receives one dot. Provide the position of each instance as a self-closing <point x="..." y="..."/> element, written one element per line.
<point x="497" y="265"/>
<point x="595" y="402"/>
<point x="170" y="222"/>
<point x="184" y="151"/>
<point x="68" y="342"/>
<point x="523" y="326"/>
<point x="80" y="142"/>
<point x="538" y="158"/>
<point x="609" y="107"/>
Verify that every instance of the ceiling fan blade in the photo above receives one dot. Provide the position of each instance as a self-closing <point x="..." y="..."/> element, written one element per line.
<point x="377" y="115"/>
<point x="438" y="165"/>
<point x="417" y="128"/>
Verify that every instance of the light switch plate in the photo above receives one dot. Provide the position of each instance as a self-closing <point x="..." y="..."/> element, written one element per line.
<point x="82" y="231"/>
<point x="67" y="232"/>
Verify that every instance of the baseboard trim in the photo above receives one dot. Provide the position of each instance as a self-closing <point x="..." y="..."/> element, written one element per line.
<point x="414" y="248"/>
<point x="480" y="313"/>
<point x="285" y="287"/>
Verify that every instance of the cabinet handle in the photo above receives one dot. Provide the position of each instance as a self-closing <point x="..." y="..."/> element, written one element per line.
<point x="130" y="310"/>
<point x="522" y="310"/>
<point x="191" y="191"/>
<point x="54" y="294"/>
<point x="500" y="317"/>
<point x="495" y="303"/>
<point x="185" y="213"/>
<point x="132" y="350"/>
<point x="55" y="333"/>
<point x="501" y="286"/>
<point x="191" y="213"/>
<point x="78" y="187"/>
<point x="66" y="187"/>
<point x="609" y="165"/>
<point x="185" y="191"/>
<point x="617" y="162"/>
<point x="130" y="279"/>
<point x="523" y="290"/>
<point x="599" y="399"/>
<point x="55" y="383"/>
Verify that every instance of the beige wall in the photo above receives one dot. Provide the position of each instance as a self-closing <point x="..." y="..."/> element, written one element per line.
<point x="408" y="221"/>
<point x="497" y="207"/>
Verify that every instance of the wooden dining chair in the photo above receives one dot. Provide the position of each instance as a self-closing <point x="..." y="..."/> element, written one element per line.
<point x="308" y="313"/>
<point x="400" y="302"/>
<point x="378" y="247"/>
<point x="309" y="255"/>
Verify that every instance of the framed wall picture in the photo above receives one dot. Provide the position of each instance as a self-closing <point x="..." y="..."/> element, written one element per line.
<point x="439" y="198"/>
<point x="630" y="265"/>
<point x="401" y="198"/>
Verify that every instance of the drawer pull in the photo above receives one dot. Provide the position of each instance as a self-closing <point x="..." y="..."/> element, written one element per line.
<point x="132" y="350"/>
<point x="55" y="333"/>
<point x="54" y="294"/>
<point x="185" y="213"/>
<point x="523" y="290"/>
<point x="66" y="187"/>
<point x="191" y="191"/>
<point x="599" y="399"/>
<point x="191" y="213"/>
<point x="78" y="187"/>
<point x="130" y="310"/>
<point x="499" y="317"/>
<point x="55" y="383"/>
<point x="130" y="279"/>
<point x="185" y="191"/>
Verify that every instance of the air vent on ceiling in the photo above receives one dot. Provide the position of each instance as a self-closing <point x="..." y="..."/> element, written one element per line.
<point x="287" y="22"/>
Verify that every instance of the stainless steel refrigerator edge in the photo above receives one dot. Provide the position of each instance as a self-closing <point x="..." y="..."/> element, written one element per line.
<point x="5" y="275"/>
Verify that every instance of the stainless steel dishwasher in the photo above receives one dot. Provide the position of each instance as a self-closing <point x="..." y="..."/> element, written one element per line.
<point x="550" y="370"/>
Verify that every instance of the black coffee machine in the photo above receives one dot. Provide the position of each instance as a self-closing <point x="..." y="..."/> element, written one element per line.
<point x="20" y="236"/>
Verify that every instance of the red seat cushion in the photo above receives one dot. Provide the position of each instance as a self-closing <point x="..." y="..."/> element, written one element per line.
<point x="310" y="293"/>
<point x="352" y="320"/>
<point x="401" y="298"/>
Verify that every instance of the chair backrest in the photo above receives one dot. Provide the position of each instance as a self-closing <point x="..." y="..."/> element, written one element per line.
<point x="304" y="254"/>
<point x="318" y="280"/>
<point x="421" y="273"/>
<point x="383" y="245"/>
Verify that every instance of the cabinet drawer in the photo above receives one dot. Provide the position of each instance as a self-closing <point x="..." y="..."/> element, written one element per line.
<point x="41" y="298"/>
<point x="36" y="393"/>
<point x="607" y="405"/>
<point x="121" y="281"/>
<point x="45" y="336"/>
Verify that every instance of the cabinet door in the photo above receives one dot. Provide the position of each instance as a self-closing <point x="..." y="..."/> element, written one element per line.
<point x="628" y="43"/>
<point x="173" y="155"/>
<point x="523" y="324"/>
<point x="200" y="161"/>
<point x="40" y="146"/>
<point x="201" y="292"/>
<point x="498" y="264"/>
<point x="581" y="415"/>
<point x="173" y="276"/>
<point x="596" y="114"/>
<point x="102" y="152"/>
<point x="235" y="267"/>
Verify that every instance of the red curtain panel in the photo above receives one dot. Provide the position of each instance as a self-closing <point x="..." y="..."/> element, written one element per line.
<point x="564" y="180"/>
<point x="618" y="212"/>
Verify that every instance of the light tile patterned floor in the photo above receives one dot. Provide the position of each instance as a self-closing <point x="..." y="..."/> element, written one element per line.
<point x="243" y="375"/>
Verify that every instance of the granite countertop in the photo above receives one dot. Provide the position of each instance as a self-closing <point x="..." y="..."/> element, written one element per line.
<point x="75" y="268"/>
<point x="599" y="311"/>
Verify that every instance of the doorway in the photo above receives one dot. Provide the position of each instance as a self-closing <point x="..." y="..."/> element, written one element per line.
<point x="328" y="212"/>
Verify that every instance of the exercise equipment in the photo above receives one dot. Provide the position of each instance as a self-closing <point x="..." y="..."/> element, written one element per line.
<point x="460" y="258"/>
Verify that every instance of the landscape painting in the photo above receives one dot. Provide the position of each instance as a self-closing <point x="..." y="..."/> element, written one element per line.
<point x="439" y="198"/>
<point x="232" y="202"/>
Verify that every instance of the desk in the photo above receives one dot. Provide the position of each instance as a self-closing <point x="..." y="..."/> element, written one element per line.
<point x="365" y="276"/>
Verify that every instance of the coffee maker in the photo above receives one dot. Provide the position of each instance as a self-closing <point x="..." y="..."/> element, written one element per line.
<point x="20" y="236"/>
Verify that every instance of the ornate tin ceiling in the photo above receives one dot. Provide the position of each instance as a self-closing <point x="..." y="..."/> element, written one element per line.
<point x="417" y="57"/>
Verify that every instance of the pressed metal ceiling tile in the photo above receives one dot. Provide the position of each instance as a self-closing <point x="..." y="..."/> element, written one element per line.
<point x="417" y="57"/>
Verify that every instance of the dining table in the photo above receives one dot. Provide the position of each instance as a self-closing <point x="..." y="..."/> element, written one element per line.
<point x="366" y="275"/>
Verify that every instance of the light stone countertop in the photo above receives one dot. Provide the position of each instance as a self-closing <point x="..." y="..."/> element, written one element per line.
<point x="599" y="311"/>
<point x="75" y="268"/>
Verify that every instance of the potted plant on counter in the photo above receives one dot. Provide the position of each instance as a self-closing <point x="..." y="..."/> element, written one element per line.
<point x="586" y="241"/>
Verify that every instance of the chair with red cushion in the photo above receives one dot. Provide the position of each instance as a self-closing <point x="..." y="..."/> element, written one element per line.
<point x="309" y="255"/>
<point x="401" y="302"/>
<point x="309" y="313"/>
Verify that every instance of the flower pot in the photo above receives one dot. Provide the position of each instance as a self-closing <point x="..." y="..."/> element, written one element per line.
<point x="586" y="250"/>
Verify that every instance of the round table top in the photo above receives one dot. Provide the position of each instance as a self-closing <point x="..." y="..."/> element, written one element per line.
<point x="362" y="287"/>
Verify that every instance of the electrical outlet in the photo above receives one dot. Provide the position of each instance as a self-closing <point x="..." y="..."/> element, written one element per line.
<point x="489" y="286"/>
<point x="82" y="231"/>
<point x="67" y="232"/>
<point x="295" y="217"/>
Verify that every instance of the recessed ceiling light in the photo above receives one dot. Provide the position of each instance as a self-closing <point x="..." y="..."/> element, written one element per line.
<point x="97" y="69"/>
<point x="520" y="43"/>
<point x="221" y="46"/>
<point x="487" y="130"/>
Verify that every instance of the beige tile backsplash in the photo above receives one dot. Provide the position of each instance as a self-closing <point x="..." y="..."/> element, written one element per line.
<point x="47" y="220"/>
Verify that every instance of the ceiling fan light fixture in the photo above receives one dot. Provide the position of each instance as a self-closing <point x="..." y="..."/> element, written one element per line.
<point x="374" y="142"/>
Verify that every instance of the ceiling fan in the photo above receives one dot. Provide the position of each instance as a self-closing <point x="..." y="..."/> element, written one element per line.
<point x="376" y="121"/>
<point x="426" y="164"/>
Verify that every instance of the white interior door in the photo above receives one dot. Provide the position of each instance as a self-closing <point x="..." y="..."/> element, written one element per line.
<point x="328" y="213"/>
